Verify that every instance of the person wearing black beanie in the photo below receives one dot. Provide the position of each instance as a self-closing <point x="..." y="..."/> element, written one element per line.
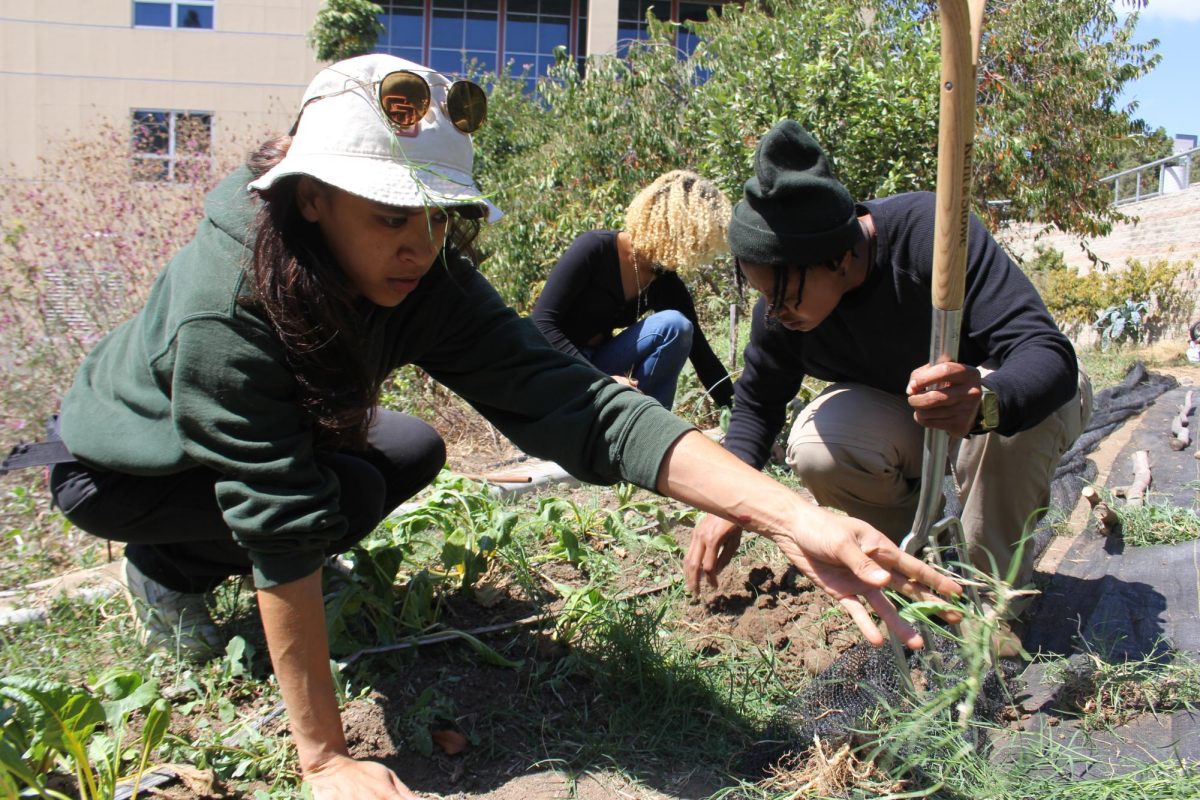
<point x="846" y="299"/>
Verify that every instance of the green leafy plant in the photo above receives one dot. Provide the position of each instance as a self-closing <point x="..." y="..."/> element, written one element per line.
<point x="470" y="522"/>
<point x="568" y="526"/>
<point x="345" y="28"/>
<point x="49" y="726"/>
<point x="362" y="603"/>
<point x="1106" y="694"/>
<point x="1157" y="523"/>
<point x="1121" y="323"/>
<point x="429" y="711"/>
<point x="214" y="688"/>
<point x="582" y="607"/>
<point x="1078" y="299"/>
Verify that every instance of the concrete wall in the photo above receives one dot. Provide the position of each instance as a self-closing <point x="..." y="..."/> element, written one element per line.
<point x="66" y="66"/>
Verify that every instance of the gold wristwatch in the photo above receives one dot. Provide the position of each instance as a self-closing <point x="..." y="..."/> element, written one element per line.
<point x="989" y="412"/>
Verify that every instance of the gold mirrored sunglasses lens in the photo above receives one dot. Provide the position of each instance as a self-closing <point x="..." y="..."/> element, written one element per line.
<point x="466" y="104"/>
<point x="404" y="97"/>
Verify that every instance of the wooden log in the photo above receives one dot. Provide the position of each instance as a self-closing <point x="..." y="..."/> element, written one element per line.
<point x="1135" y="493"/>
<point x="1106" y="518"/>
<point x="1090" y="494"/>
<point x="1181" y="435"/>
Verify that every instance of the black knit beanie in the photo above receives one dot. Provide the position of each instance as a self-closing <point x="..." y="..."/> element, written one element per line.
<point x="794" y="212"/>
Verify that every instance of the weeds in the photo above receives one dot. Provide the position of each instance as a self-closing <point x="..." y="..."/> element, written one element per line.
<point x="1146" y="525"/>
<point x="1104" y="694"/>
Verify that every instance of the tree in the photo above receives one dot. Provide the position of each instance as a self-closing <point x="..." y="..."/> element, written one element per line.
<point x="570" y="157"/>
<point x="345" y="28"/>
<point x="861" y="76"/>
<point x="1049" y="124"/>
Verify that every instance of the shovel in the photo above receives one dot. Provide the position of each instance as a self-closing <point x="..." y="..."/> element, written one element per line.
<point x="961" y="24"/>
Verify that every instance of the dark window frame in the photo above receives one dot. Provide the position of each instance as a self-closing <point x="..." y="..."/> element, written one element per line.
<point x="173" y="6"/>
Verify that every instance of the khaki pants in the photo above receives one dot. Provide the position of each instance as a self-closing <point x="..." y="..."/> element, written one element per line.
<point x="859" y="449"/>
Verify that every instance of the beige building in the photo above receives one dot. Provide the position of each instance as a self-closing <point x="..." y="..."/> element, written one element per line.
<point x="238" y="67"/>
<point x="67" y="64"/>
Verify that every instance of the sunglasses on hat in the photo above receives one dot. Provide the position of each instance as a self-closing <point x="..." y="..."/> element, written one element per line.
<point x="405" y="97"/>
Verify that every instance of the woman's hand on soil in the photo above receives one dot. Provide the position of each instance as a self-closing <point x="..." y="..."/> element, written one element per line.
<point x="945" y="396"/>
<point x="854" y="563"/>
<point x="714" y="543"/>
<point x="344" y="778"/>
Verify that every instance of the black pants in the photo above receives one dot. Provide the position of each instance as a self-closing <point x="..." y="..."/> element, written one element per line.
<point x="174" y="529"/>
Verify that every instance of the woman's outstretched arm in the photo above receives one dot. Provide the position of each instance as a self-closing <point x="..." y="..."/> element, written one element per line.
<point x="844" y="556"/>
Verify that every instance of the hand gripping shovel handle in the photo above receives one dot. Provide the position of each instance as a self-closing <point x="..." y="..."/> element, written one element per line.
<point x="961" y="22"/>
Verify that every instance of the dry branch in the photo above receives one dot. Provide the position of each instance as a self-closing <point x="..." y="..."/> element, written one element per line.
<point x="1181" y="436"/>
<point x="1135" y="493"/>
<point x="733" y="336"/>
<point x="1106" y="518"/>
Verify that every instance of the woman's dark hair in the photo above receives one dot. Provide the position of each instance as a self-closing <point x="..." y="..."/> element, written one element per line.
<point x="315" y="310"/>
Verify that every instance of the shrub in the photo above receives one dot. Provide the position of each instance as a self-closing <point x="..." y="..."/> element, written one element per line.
<point x="569" y="158"/>
<point x="78" y="255"/>
<point x="1078" y="300"/>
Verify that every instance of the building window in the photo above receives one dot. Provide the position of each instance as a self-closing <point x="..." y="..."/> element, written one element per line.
<point x="692" y="12"/>
<point x="448" y="35"/>
<point x="404" y="29"/>
<point x="462" y="31"/>
<point x="532" y="31"/>
<point x="191" y="14"/>
<point x="171" y="146"/>
<point x="631" y="20"/>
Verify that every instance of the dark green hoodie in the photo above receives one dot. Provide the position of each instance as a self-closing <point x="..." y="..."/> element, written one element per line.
<point x="199" y="378"/>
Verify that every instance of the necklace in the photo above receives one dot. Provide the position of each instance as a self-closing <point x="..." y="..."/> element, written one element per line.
<point x="637" y="279"/>
<point x="637" y="298"/>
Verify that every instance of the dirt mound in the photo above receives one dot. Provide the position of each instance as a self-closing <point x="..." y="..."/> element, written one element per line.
<point x="780" y="609"/>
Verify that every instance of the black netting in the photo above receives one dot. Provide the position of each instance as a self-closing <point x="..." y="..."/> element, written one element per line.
<point x="1111" y="407"/>
<point x="844" y="701"/>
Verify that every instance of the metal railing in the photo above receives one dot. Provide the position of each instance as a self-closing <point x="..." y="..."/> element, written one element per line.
<point x="1170" y="174"/>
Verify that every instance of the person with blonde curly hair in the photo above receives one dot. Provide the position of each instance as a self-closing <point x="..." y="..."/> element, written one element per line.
<point x="606" y="281"/>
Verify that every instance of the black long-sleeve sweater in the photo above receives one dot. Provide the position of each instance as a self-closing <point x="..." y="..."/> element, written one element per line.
<point x="584" y="298"/>
<point x="880" y="332"/>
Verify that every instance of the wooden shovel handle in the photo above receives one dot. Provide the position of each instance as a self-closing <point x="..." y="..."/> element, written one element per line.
<point x="961" y="22"/>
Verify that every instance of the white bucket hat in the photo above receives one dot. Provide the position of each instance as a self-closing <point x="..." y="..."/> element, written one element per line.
<point x="344" y="139"/>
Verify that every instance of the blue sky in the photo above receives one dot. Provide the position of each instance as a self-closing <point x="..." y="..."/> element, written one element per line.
<point x="1170" y="96"/>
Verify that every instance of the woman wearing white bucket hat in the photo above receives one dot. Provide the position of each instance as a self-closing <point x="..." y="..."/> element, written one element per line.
<point x="231" y="426"/>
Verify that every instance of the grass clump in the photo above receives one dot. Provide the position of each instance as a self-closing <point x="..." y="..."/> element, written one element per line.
<point x="1104" y="695"/>
<point x="1146" y="525"/>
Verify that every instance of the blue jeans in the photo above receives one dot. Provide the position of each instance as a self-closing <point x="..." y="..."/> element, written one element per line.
<point x="655" y="349"/>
